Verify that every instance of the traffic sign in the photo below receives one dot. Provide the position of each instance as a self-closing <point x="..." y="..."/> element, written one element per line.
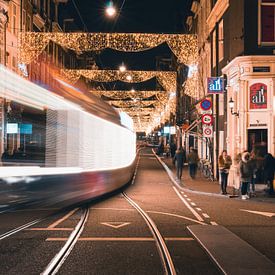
<point x="207" y="119"/>
<point x="206" y="104"/>
<point x="207" y="131"/>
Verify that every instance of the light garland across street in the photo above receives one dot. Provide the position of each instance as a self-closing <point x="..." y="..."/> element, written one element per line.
<point x="32" y="44"/>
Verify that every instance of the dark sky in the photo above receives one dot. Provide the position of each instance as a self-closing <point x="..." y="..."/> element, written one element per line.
<point x="145" y="16"/>
<point x="156" y="16"/>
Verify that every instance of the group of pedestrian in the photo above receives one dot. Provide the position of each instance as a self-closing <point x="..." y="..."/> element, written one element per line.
<point x="249" y="165"/>
<point x="192" y="159"/>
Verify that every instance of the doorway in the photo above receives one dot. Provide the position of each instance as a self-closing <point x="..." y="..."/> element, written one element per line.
<point x="257" y="140"/>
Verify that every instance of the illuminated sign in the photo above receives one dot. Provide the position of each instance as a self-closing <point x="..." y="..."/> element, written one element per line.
<point x="26" y="129"/>
<point x="12" y="128"/>
<point x="258" y="96"/>
<point x="172" y="130"/>
<point x="166" y="130"/>
<point x="215" y="85"/>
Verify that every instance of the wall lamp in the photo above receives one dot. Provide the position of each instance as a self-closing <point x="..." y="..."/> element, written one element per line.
<point x="231" y="106"/>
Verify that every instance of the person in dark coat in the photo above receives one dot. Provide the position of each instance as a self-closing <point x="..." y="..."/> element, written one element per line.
<point x="193" y="160"/>
<point x="173" y="148"/>
<point x="246" y="173"/>
<point x="269" y="169"/>
<point x="179" y="160"/>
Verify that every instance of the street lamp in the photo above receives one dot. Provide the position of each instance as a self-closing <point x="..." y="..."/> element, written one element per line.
<point x="231" y="106"/>
<point x="122" y="68"/>
<point x="110" y="9"/>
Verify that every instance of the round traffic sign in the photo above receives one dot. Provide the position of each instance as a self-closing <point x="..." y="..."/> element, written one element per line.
<point x="207" y="119"/>
<point x="207" y="131"/>
<point x="206" y="104"/>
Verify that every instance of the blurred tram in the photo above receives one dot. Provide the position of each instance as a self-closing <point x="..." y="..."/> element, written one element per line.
<point x="65" y="147"/>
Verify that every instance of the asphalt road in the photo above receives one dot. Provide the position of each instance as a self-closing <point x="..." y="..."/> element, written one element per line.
<point x="116" y="239"/>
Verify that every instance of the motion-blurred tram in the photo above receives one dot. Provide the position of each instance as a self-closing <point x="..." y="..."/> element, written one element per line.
<point x="64" y="147"/>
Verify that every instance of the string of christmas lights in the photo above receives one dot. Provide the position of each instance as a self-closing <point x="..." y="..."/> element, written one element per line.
<point x="32" y="44"/>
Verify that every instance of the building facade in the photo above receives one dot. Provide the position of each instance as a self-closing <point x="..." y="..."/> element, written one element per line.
<point x="236" y="38"/>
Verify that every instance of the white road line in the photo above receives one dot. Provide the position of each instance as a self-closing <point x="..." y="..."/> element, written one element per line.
<point x="199" y="209"/>
<point x="189" y="199"/>
<point x="188" y="206"/>
<point x="205" y="215"/>
<point x="213" y="223"/>
<point x="193" y="204"/>
<point x="185" y="196"/>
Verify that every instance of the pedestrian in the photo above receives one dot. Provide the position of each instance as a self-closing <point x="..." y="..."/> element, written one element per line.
<point x="269" y="169"/>
<point x="173" y="148"/>
<point x="254" y="163"/>
<point x="246" y="172"/>
<point x="193" y="160"/>
<point x="179" y="160"/>
<point x="160" y="149"/>
<point x="224" y="163"/>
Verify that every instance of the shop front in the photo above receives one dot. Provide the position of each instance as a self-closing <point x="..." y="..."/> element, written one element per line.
<point x="251" y="118"/>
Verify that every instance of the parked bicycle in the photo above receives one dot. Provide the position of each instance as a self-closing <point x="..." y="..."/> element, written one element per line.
<point x="206" y="169"/>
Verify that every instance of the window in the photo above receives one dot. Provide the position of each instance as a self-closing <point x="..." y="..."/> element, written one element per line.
<point x="266" y="22"/>
<point x="13" y="20"/>
<point x="221" y="40"/>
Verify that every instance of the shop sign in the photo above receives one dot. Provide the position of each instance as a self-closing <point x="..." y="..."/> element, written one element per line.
<point x="258" y="96"/>
<point x="215" y="85"/>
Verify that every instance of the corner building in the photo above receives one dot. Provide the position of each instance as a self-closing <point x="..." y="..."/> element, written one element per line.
<point x="237" y="41"/>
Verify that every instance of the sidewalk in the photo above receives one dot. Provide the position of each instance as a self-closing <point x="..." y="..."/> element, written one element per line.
<point x="202" y="185"/>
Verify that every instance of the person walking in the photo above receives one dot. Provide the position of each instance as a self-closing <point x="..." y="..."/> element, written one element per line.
<point x="246" y="173"/>
<point x="269" y="170"/>
<point x="179" y="160"/>
<point x="193" y="160"/>
<point x="224" y="163"/>
<point x="173" y="148"/>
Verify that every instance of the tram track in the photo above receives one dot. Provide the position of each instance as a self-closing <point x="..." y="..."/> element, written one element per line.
<point x="64" y="252"/>
<point x="162" y="248"/>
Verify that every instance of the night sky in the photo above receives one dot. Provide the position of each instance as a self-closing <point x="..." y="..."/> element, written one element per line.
<point x="145" y="16"/>
<point x="156" y="16"/>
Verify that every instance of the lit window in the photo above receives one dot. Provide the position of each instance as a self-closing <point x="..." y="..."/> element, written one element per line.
<point x="267" y="23"/>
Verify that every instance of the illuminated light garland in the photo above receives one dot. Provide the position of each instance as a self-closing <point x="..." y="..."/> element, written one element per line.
<point x="31" y="44"/>
<point x="132" y="103"/>
<point x="160" y="95"/>
<point x="192" y="86"/>
<point x="167" y="79"/>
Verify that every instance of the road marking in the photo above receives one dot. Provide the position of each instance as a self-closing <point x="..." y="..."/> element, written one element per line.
<point x="199" y="209"/>
<point x="62" y="219"/>
<point x="114" y="209"/>
<point x="205" y="215"/>
<point x="50" y="229"/>
<point x="152" y="158"/>
<point x="185" y="196"/>
<point x="266" y="214"/>
<point x="121" y="239"/>
<point x="176" y="216"/>
<point x="213" y="223"/>
<point x="192" y="203"/>
<point x="188" y="206"/>
<point x="189" y="199"/>
<point x="115" y="224"/>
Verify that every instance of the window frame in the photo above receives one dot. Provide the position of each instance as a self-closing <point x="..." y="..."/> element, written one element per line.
<point x="260" y="42"/>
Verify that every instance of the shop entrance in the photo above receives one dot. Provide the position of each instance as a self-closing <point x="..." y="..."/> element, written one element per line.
<point x="257" y="140"/>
